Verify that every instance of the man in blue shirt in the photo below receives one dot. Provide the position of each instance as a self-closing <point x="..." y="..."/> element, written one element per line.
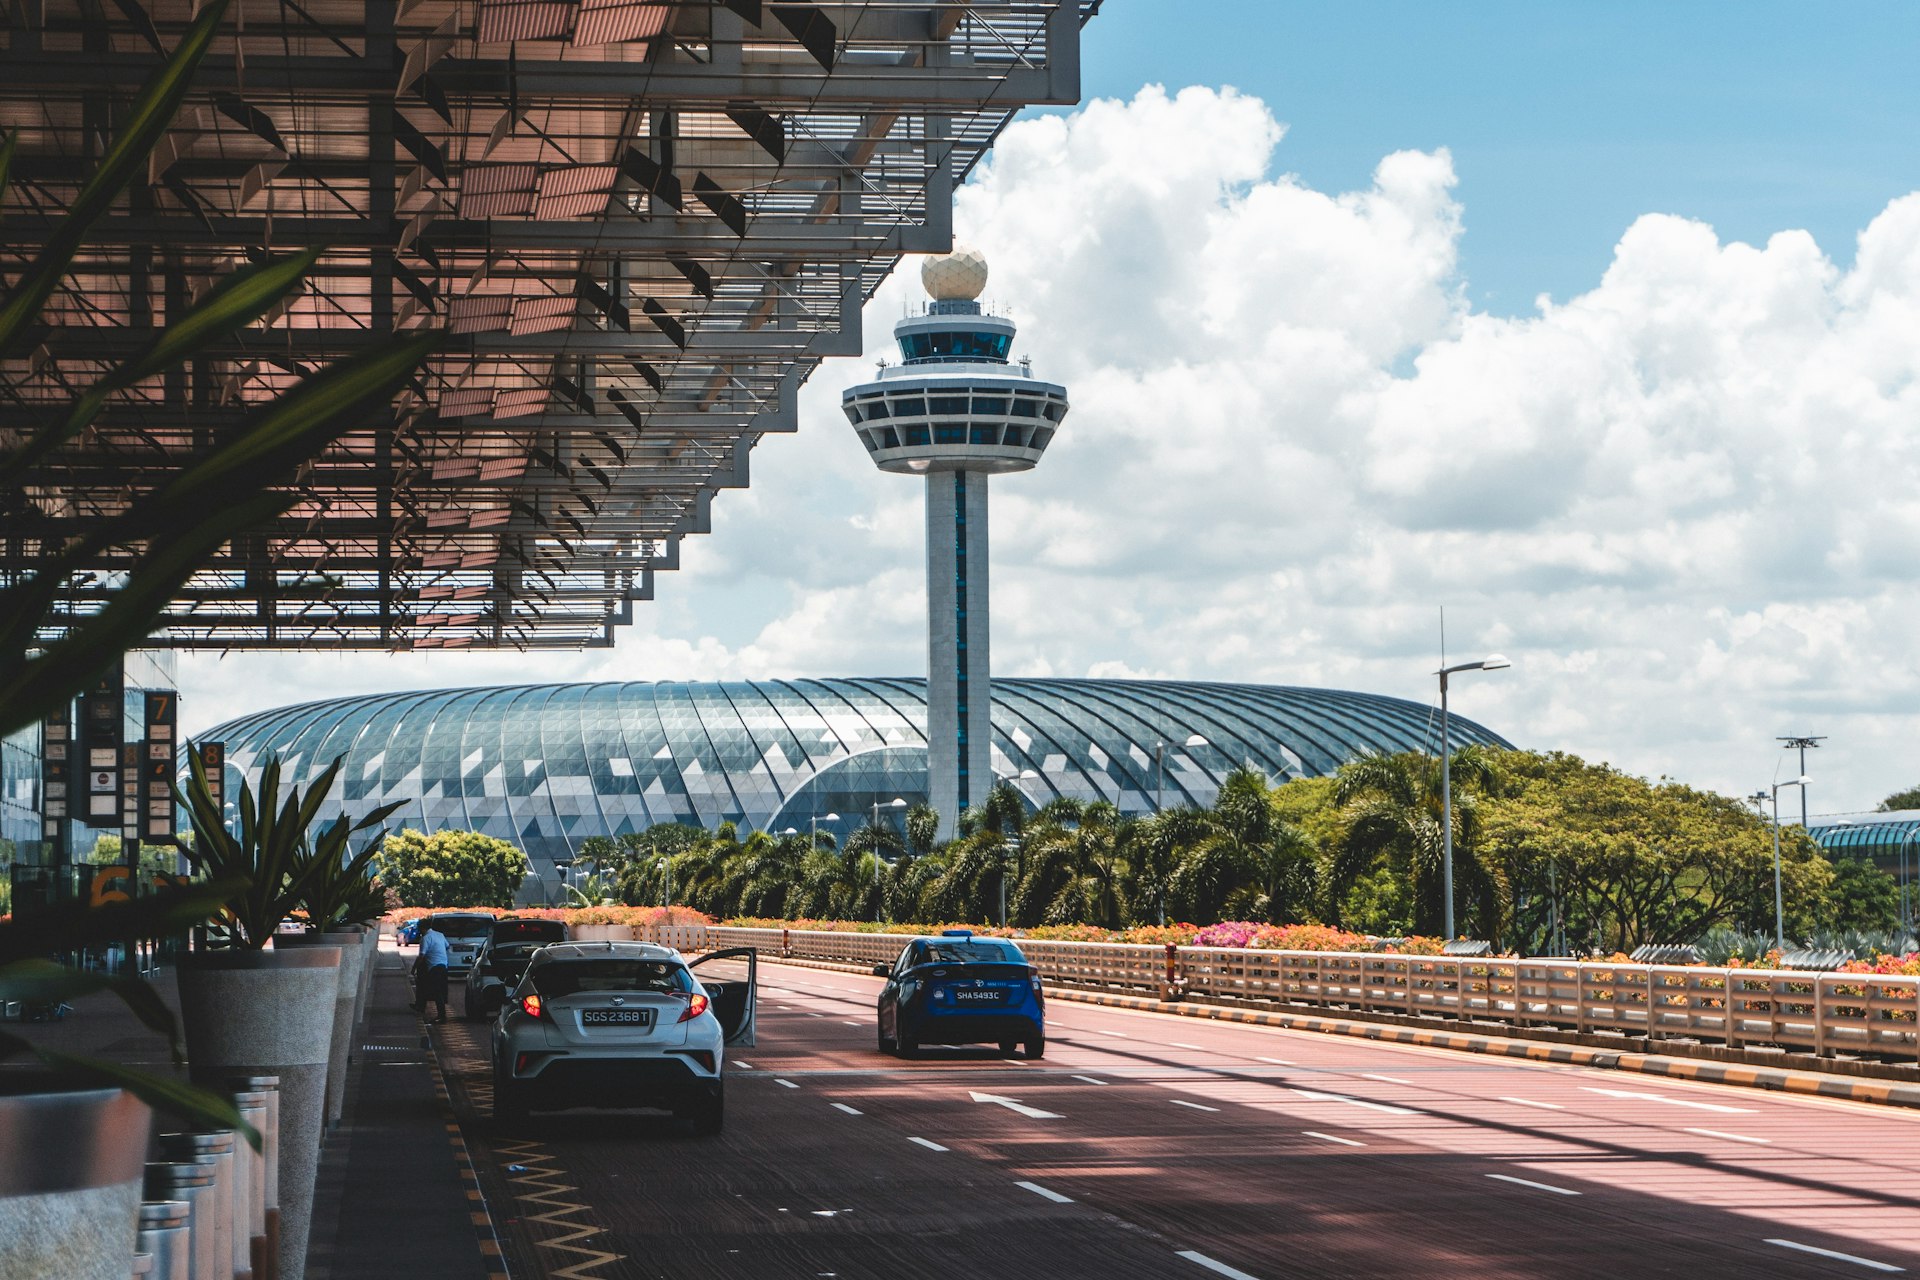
<point x="430" y="970"/>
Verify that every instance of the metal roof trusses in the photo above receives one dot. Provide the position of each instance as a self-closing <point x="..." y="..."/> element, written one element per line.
<point x="643" y="223"/>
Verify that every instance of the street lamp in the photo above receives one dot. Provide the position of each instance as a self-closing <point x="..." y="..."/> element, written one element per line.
<point x="1779" y="902"/>
<point x="895" y="803"/>
<point x="813" y="830"/>
<point x="1159" y="768"/>
<point x="1494" y="662"/>
<point x="560" y="868"/>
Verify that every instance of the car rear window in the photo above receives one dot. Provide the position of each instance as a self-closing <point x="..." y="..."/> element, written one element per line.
<point x="565" y="977"/>
<point x="463" y="926"/>
<point x="512" y="950"/>
<point x="528" y="930"/>
<point x="969" y="953"/>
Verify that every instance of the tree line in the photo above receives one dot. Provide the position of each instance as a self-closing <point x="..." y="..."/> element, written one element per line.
<point x="1551" y="853"/>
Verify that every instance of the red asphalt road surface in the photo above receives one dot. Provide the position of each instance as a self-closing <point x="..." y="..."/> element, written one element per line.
<point x="1169" y="1146"/>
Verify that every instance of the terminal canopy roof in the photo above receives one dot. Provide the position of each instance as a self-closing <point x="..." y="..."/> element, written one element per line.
<point x="643" y="224"/>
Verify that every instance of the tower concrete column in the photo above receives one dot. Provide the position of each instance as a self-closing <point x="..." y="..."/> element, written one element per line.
<point x="959" y="645"/>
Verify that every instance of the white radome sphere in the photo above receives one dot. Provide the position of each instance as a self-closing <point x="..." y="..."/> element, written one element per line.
<point x="959" y="276"/>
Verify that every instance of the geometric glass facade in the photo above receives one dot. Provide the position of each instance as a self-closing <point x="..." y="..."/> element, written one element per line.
<point x="546" y="766"/>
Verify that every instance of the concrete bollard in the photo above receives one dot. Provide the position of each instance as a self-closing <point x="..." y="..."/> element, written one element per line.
<point x="164" y="1234"/>
<point x="266" y="1265"/>
<point x="254" y="1106"/>
<point x="214" y="1151"/>
<point x="192" y="1183"/>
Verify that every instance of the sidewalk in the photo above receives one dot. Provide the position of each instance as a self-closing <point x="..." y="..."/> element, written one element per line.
<point x="395" y="1197"/>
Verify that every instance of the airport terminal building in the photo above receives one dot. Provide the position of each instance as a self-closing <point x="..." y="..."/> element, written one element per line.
<point x="548" y="765"/>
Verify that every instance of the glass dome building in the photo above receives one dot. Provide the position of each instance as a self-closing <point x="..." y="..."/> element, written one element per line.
<point x="546" y="766"/>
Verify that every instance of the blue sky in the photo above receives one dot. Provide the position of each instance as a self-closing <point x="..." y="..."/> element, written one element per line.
<point x="1566" y="121"/>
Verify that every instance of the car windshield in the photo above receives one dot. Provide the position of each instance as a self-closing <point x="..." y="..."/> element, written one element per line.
<point x="956" y="952"/>
<point x="463" y="926"/>
<point x="565" y="977"/>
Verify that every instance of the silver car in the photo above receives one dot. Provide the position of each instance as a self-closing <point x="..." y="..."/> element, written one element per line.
<point x="620" y="1024"/>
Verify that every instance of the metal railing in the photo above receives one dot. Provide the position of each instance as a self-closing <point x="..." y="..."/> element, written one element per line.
<point x="1857" y="1014"/>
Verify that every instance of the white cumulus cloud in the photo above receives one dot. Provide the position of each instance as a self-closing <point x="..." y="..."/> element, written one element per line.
<point x="1685" y="502"/>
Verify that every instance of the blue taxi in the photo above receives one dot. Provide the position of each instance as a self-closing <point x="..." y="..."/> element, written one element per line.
<point x="959" y="989"/>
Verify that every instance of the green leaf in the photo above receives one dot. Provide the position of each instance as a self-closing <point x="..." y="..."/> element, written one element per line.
<point x="237" y="301"/>
<point x="203" y="1108"/>
<point x="147" y="120"/>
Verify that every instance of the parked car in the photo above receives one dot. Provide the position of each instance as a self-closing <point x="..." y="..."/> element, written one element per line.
<point x="614" y="1025"/>
<point x="959" y="989"/>
<point x="501" y="962"/>
<point x="466" y="932"/>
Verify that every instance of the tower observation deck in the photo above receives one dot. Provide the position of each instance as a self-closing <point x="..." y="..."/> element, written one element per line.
<point x="957" y="412"/>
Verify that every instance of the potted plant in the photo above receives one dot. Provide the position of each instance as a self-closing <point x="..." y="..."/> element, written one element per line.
<point x="73" y="1135"/>
<point x="252" y="1011"/>
<point x="331" y="879"/>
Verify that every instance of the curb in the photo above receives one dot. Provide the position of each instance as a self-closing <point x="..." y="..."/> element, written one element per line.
<point x="1810" y="1083"/>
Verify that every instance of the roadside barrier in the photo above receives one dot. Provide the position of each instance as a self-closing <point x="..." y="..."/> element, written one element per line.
<point x="1825" y="1014"/>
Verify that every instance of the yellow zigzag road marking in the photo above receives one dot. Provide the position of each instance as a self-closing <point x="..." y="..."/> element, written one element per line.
<point x="544" y="1176"/>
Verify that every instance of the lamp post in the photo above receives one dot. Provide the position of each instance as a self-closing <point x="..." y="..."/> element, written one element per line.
<point x="813" y="830"/>
<point x="1802" y="743"/>
<point x="1494" y="662"/>
<point x="1159" y="768"/>
<point x="560" y="868"/>
<point x="1779" y="900"/>
<point x="895" y="803"/>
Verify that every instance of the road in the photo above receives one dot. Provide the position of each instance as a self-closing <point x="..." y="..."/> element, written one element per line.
<point x="1149" y="1145"/>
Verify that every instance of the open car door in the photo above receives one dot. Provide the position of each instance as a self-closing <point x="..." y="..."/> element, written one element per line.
<point x="732" y="994"/>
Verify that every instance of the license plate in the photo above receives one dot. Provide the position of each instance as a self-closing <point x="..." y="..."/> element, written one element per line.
<point x="616" y="1017"/>
<point x="977" y="997"/>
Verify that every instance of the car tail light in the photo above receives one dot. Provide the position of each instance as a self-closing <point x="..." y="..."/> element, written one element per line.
<point x="533" y="1005"/>
<point x="696" y="1005"/>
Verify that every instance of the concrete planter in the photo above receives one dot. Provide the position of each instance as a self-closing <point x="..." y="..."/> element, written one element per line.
<point x="369" y="959"/>
<point x="352" y="956"/>
<point x="71" y="1166"/>
<point x="269" y="1013"/>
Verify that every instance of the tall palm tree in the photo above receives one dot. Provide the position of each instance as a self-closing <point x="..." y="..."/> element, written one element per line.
<point x="1161" y="846"/>
<point x="1073" y="871"/>
<point x="1393" y="809"/>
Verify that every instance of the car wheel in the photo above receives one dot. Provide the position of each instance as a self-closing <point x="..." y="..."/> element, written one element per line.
<point x="1007" y="1047"/>
<point x="886" y="1043"/>
<point x="909" y="1047"/>
<point x="1037" y="1047"/>
<point x="711" y="1115"/>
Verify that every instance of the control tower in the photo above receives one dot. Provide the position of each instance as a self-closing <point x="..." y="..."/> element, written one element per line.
<point x="956" y="412"/>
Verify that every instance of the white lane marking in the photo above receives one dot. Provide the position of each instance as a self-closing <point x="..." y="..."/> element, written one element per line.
<point x="1044" y="1193"/>
<point x="1315" y="1096"/>
<point x="1733" y="1137"/>
<point x="928" y="1144"/>
<point x="1181" y="1102"/>
<point x="1015" y="1105"/>
<point x="1232" y="1273"/>
<point x="1842" y="1257"/>
<point x="856" y="1024"/>
<point x="1103" y="1031"/>
<point x="744" y="1066"/>
<point x="1278" y="1062"/>
<point x="1327" y="1137"/>
<point x="1368" y="1075"/>
<point x="1529" y="1102"/>
<point x="1537" y="1186"/>
<point x="1672" y="1102"/>
<point x="1090" y="1079"/>
<point x="786" y="1083"/>
<point x="841" y="1106"/>
<point x="816" y="1015"/>
<point x="1181" y="1044"/>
